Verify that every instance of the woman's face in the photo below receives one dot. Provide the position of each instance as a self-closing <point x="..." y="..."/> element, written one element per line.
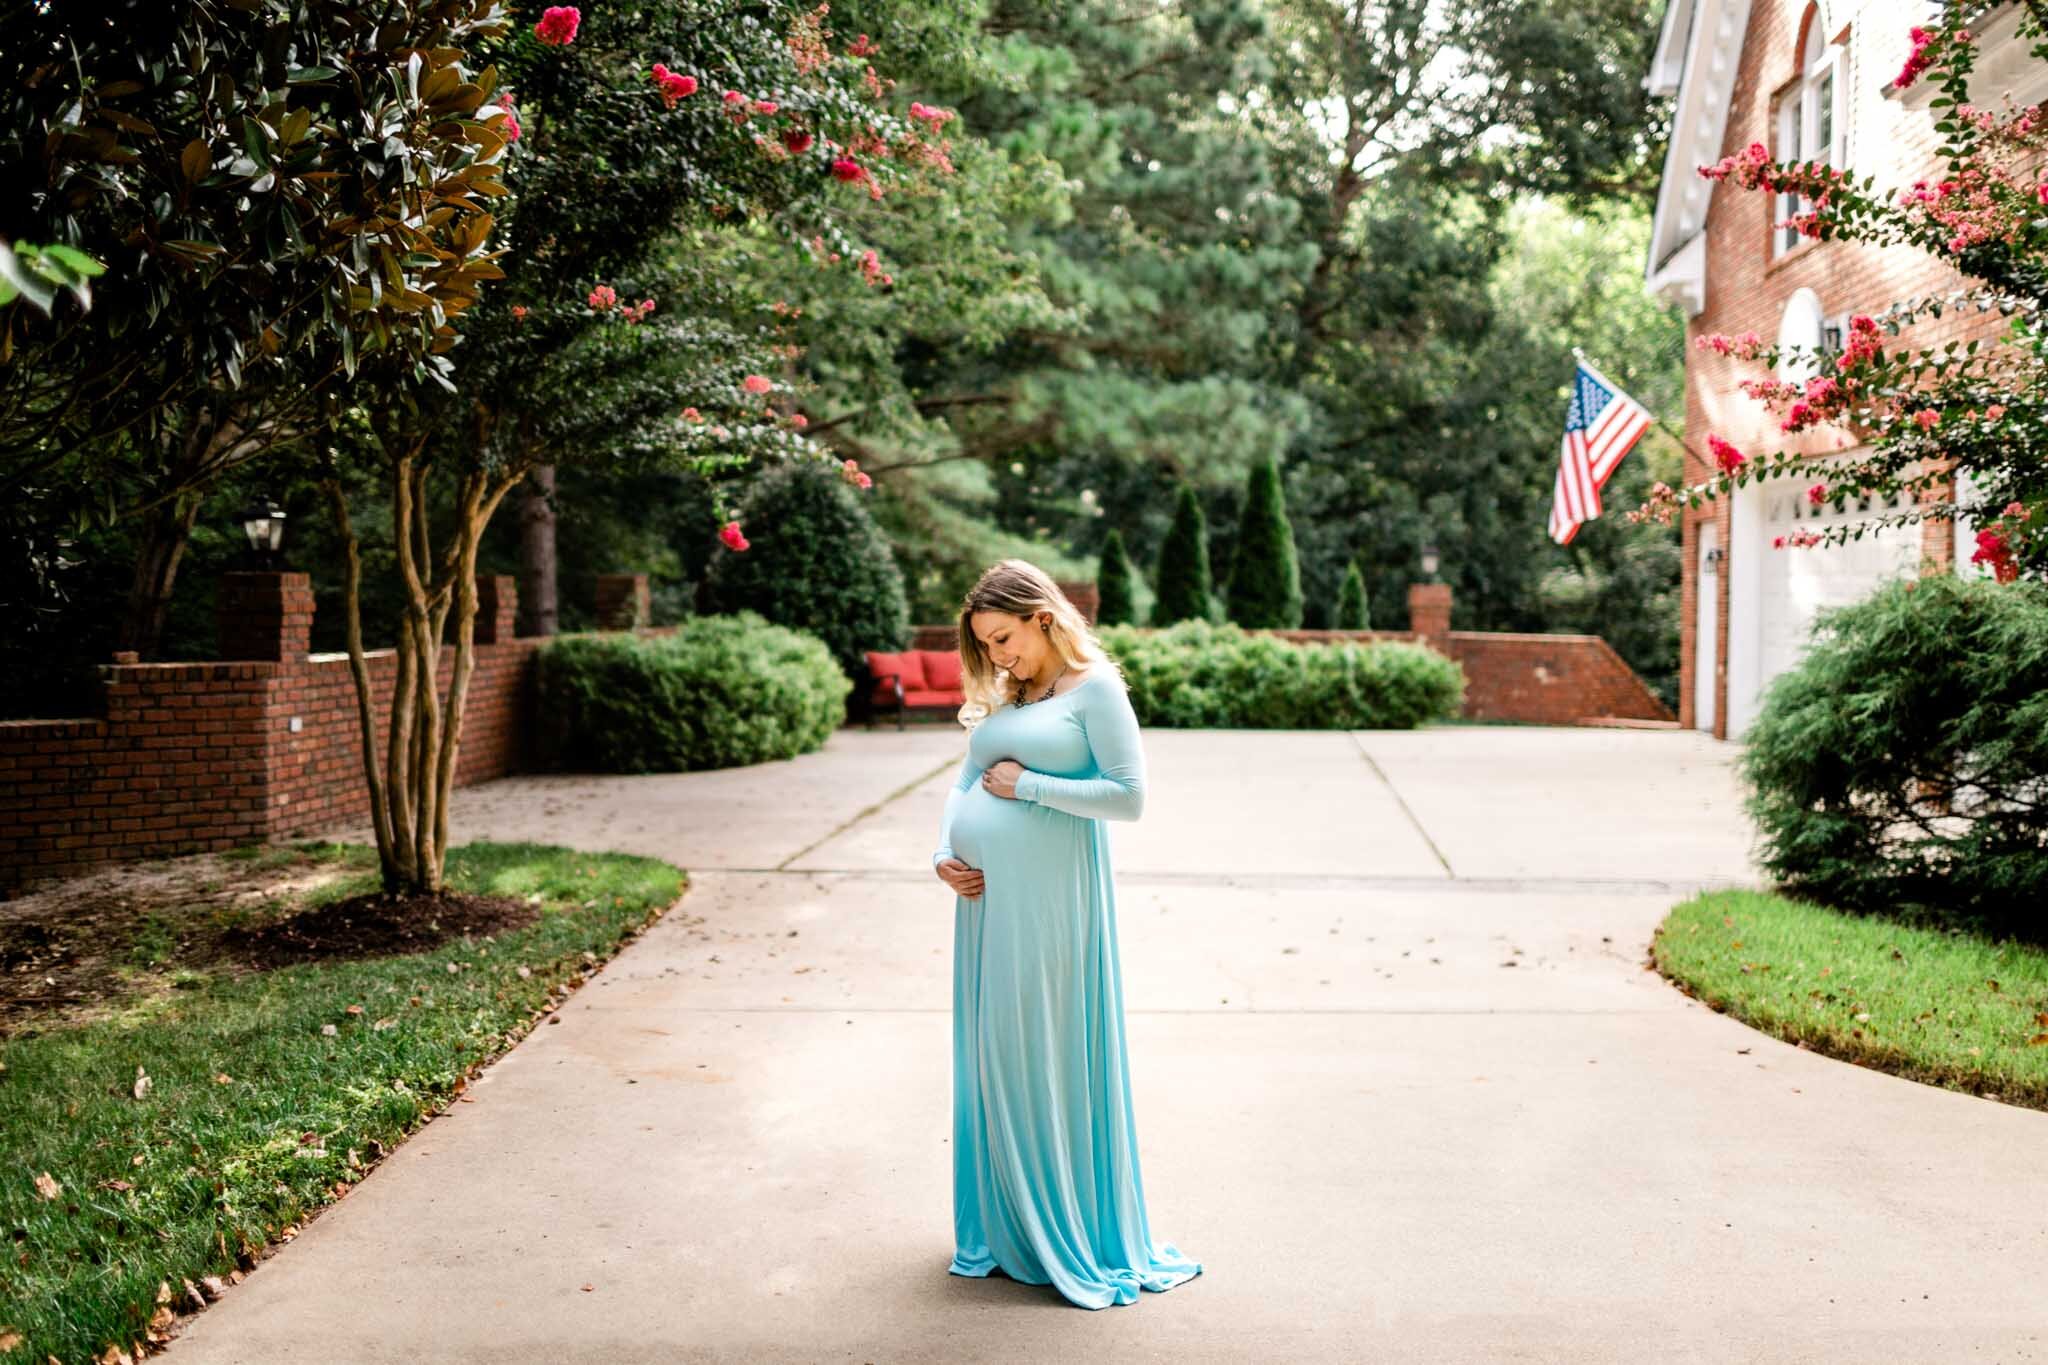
<point x="1016" y="644"/>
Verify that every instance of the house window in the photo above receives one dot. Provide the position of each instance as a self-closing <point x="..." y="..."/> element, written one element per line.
<point x="1808" y="122"/>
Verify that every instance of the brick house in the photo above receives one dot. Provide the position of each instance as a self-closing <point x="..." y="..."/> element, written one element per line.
<point x="1811" y="82"/>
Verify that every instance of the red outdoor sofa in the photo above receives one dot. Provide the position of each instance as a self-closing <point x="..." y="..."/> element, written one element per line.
<point x="916" y="680"/>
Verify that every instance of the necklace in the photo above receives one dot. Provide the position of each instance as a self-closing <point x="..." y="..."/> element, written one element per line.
<point x="1027" y="700"/>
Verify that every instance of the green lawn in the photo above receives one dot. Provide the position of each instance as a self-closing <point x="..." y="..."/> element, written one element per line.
<point x="1947" y="1008"/>
<point x="254" y="1116"/>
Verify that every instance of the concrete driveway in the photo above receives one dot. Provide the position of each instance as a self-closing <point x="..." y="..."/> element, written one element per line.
<point x="1402" y="1083"/>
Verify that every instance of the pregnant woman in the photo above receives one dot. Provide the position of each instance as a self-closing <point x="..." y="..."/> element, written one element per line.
<point x="1046" y="1183"/>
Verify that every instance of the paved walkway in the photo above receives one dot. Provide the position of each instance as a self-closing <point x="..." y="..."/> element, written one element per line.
<point x="1402" y="1084"/>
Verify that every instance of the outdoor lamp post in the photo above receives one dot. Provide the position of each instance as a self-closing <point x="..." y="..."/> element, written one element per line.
<point x="1429" y="562"/>
<point x="263" y="523"/>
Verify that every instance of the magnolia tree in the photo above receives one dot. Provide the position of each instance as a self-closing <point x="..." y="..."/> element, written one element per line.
<point x="1917" y="416"/>
<point x="635" y="135"/>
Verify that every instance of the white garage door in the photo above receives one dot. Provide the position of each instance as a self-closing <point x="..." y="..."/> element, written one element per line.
<point x="1797" y="583"/>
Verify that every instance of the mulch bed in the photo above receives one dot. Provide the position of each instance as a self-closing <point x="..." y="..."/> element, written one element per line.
<point x="376" y="925"/>
<point x="75" y="949"/>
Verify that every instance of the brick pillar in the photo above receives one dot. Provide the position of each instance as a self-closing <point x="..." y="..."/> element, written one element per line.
<point x="266" y="616"/>
<point x="497" y="608"/>
<point x="1429" y="611"/>
<point x="622" y="601"/>
<point x="1086" y="597"/>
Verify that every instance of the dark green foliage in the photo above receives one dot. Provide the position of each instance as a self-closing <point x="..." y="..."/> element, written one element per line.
<point x="1116" y="584"/>
<point x="1352" y="612"/>
<point x="817" y="563"/>
<point x="1184" y="593"/>
<point x="1903" y="762"/>
<point x="1265" y="577"/>
<point x="1198" y="676"/>
<point x="721" y="692"/>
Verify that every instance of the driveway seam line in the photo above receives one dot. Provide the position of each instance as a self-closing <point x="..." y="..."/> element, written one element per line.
<point x="893" y="796"/>
<point x="1400" y="801"/>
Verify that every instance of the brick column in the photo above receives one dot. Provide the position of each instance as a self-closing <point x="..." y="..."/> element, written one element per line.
<point x="266" y="616"/>
<point x="497" y="608"/>
<point x="1086" y="597"/>
<point x="622" y="601"/>
<point x="1429" y="611"/>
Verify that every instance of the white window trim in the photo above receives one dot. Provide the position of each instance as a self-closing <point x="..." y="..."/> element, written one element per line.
<point x="1798" y="114"/>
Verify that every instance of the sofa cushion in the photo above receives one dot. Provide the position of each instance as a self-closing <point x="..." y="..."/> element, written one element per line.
<point x="941" y="669"/>
<point x="907" y="666"/>
<point x="931" y="697"/>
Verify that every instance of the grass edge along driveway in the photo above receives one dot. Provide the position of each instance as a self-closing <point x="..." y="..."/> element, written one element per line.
<point x="126" y="1204"/>
<point x="1944" y="1007"/>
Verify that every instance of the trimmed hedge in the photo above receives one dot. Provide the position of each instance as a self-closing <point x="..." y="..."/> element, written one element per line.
<point x="1903" y="764"/>
<point x="1197" y="676"/>
<point x="721" y="692"/>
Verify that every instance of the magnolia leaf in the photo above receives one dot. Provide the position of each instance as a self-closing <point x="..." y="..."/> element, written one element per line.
<point x="195" y="161"/>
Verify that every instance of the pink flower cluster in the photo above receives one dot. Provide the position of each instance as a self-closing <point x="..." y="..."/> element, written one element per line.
<point x="1744" y="347"/>
<point x="871" y="270"/>
<point x="757" y="383"/>
<point x="732" y="537"/>
<point x="924" y="113"/>
<point x="1920" y="58"/>
<point x="1726" y="456"/>
<point x="851" y="472"/>
<point x="1749" y="168"/>
<point x="512" y="128"/>
<point x="862" y="46"/>
<point x="1994" y="549"/>
<point x="1817" y="494"/>
<point x="673" y="85"/>
<point x="1798" y="540"/>
<point x="604" y="299"/>
<point x="557" y="26"/>
<point x="1863" y="343"/>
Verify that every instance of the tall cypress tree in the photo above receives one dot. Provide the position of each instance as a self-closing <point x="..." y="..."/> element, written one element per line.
<point x="1352" y="612"/>
<point x="1265" y="579"/>
<point x="1184" y="565"/>
<point x="1116" y="585"/>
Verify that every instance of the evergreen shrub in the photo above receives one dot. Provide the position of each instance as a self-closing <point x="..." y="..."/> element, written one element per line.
<point x="1903" y="763"/>
<point x="1197" y="676"/>
<point x="1265" y="577"/>
<point x="720" y="692"/>
<point x="1116" y="585"/>
<point x="1184" y="583"/>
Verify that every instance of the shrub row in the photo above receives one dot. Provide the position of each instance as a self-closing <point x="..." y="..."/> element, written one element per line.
<point x="1197" y="675"/>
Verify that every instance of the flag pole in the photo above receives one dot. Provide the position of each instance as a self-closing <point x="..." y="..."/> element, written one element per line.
<point x="1660" y="423"/>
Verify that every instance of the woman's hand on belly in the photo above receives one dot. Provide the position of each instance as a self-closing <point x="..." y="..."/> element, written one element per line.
<point x="966" y="881"/>
<point x="1000" y="779"/>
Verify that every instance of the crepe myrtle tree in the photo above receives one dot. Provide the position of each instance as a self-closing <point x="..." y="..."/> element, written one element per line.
<point x="636" y="132"/>
<point x="276" y="193"/>
<point x="1918" y="414"/>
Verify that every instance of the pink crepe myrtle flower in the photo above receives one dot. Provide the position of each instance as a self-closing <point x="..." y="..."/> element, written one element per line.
<point x="862" y="46"/>
<point x="673" y="85"/>
<point x="1993" y="412"/>
<point x="1725" y="455"/>
<point x="765" y="106"/>
<point x="603" y="298"/>
<point x="2017" y="511"/>
<point x="865" y="481"/>
<point x="1927" y="417"/>
<point x="519" y="312"/>
<point x="732" y="537"/>
<point x="799" y="421"/>
<point x="1817" y="494"/>
<point x="849" y="170"/>
<point x="1799" y="418"/>
<point x="1995" y="550"/>
<point x="1918" y="60"/>
<point x="557" y="26"/>
<point x="733" y="97"/>
<point x="797" y="140"/>
<point x="692" y="415"/>
<point x="757" y="383"/>
<point x="512" y="128"/>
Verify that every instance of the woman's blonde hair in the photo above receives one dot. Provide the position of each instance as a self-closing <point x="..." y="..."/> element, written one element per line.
<point x="1019" y="588"/>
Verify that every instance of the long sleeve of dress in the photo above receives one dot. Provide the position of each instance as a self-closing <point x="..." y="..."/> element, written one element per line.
<point x="970" y="772"/>
<point x="1112" y="729"/>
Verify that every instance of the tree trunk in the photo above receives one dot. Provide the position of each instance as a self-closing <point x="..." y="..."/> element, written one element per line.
<point x="538" y="600"/>
<point x="164" y="533"/>
<point x="409" y="798"/>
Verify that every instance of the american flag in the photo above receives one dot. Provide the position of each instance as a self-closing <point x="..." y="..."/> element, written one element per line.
<point x="1600" y="427"/>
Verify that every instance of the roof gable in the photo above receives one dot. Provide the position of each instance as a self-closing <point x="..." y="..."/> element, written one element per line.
<point x="1698" y="51"/>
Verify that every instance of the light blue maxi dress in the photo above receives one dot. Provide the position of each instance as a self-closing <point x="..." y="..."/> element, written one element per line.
<point x="1046" y="1181"/>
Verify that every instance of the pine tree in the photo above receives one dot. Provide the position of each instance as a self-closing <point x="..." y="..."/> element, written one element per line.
<point x="1352" y="613"/>
<point x="1265" y="578"/>
<point x="1116" y="585"/>
<point x="1184" y="565"/>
